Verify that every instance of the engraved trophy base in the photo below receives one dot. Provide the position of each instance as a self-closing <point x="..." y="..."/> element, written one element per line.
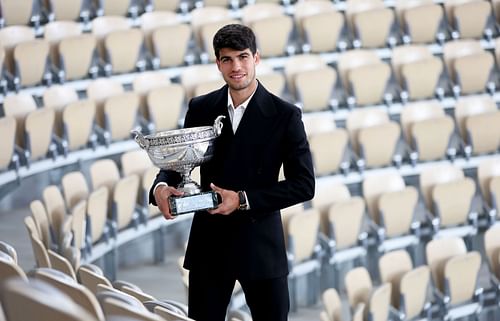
<point x="192" y="203"/>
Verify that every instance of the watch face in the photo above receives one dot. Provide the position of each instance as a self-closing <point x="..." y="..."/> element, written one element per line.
<point x="242" y="198"/>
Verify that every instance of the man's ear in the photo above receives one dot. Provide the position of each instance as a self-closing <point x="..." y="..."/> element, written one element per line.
<point x="257" y="57"/>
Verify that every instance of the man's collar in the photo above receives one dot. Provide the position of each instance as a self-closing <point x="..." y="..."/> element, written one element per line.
<point x="243" y="104"/>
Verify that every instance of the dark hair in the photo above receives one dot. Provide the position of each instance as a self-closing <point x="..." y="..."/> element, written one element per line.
<point x="236" y="37"/>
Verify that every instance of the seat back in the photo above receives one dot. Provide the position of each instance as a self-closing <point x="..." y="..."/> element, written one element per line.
<point x="380" y="302"/>
<point x="472" y="105"/>
<point x="438" y="174"/>
<point x="346" y="218"/>
<point x="486" y="171"/>
<point x="166" y="116"/>
<point x="10" y="36"/>
<point x="31" y="61"/>
<point x="120" y="114"/>
<point x="135" y="162"/>
<point x="303" y="229"/>
<point x="461" y="273"/>
<point x="104" y="172"/>
<point x="78" y="119"/>
<point x="318" y="123"/>
<point x="453" y="201"/>
<point x="332" y="304"/>
<point x="469" y="18"/>
<point x="419" y="111"/>
<point x="483" y="133"/>
<point x="42" y="223"/>
<point x="97" y="212"/>
<point x="431" y="137"/>
<point x="56" y="208"/>
<point x="397" y="210"/>
<point x="170" y="44"/>
<point x="370" y="143"/>
<point x="90" y="278"/>
<point x="274" y="81"/>
<point x="492" y="249"/>
<point x="57" y="97"/>
<point x="37" y="300"/>
<point x="113" y="306"/>
<point x="272" y="35"/>
<point x="39" y="128"/>
<point x="75" y="188"/>
<point x="39" y="250"/>
<point x="123" y="48"/>
<point x="79" y="225"/>
<point x="144" y="82"/>
<point x="61" y="264"/>
<point x="438" y="252"/>
<point x="19" y="13"/>
<point x="7" y="144"/>
<point x="148" y="179"/>
<point x="328" y="150"/>
<point x="413" y="288"/>
<point x="192" y="76"/>
<point x="420" y="19"/>
<point x="363" y="118"/>
<point x="125" y="199"/>
<point x="79" y="56"/>
<point x="67" y="9"/>
<point x="358" y="286"/>
<point x="9" y="268"/>
<point x="115" y="7"/>
<point x="318" y="97"/>
<point x="19" y="106"/>
<point x="392" y="267"/>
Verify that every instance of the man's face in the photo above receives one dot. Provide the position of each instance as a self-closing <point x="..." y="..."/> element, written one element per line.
<point x="237" y="67"/>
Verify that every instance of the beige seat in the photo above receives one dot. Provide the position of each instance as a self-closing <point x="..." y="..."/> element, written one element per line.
<point x="373" y="137"/>
<point x="11" y="36"/>
<point x="42" y="223"/>
<point x="32" y="66"/>
<point x="61" y="264"/>
<point x="135" y="162"/>
<point x="438" y="252"/>
<point x="302" y="244"/>
<point x="467" y="19"/>
<point x="104" y="25"/>
<point x="37" y="300"/>
<point x="392" y="267"/>
<point x="91" y="276"/>
<point x="78" y="120"/>
<point x="114" y="307"/>
<point x="144" y="82"/>
<point x="392" y="207"/>
<point x="364" y="76"/>
<point x="165" y="116"/>
<point x="332" y="305"/>
<point x="57" y="97"/>
<point x="104" y="172"/>
<point x="488" y="173"/>
<point x="471" y="113"/>
<point x="152" y="20"/>
<point x="19" y="106"/>
<point x="55" y="211"/>
<point x="310" y="80"/>
<point x="492" y="250"/>
<point x="39" y="130"/>
<point x="78" y="57"/>
<point x="13" y="12"/>
<point x="9" y="268"/>
<point x="124" y="201"/>
<point x="370" y="22"/>
<point x="205" y="16"/>
<point x="37" y="246"/>
<point x="315" y="123"/>
<point x="9" y="250"/>
<point x="75" y="188"/>
<point x="65" y="10"/>
<point x="120" y="115"/>
<point x="79" y="227"/>
<point x="448" y="195"/>
<point x="273" y="80"/>
<point x="8" y="156"/>
<point x="123" y="51"/>
<point x="359" y="286"/>
<point x="271" y="26"/>
<point x="428" y="131"/>
<point x="419" y="20"/>
<point x="196" y="75"/>
<point x="99" y="91"/>
<point x="329" y="150"/>
<point x="170" y="45"/>
<point x="97" y="215"/>
<point x="417" y="71"/>
<point x="380" y="303"/>
<point x="319" y="25"/>
<point x="77" y="292"/>
<point x="147" y="181"/>
<point x="118" y="8"/>
<point x="468" y="65"/>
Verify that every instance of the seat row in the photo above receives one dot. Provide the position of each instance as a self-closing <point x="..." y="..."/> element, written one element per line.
<point x="164" y="41"/>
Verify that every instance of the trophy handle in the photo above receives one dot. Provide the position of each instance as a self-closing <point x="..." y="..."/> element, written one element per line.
<point x="140" y="139"/>
<point x="218" y="125"/>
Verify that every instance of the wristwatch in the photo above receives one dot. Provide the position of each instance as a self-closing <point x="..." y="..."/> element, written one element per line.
<point x="243" y="201"/>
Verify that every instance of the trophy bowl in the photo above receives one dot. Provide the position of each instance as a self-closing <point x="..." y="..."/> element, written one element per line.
<point x="181" y="150"/>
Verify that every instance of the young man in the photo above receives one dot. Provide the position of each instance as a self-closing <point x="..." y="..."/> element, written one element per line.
<point x="243" y="238"/>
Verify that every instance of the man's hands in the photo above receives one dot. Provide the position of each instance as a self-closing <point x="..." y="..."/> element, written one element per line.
<point x="230" y="201"/>
<point x="162" y="194"/>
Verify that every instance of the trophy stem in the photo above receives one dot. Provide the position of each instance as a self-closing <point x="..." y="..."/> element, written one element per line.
<point x="188" y="186"/>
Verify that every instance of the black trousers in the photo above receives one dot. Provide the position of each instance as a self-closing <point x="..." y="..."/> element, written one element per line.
<point x="209" y="296"/>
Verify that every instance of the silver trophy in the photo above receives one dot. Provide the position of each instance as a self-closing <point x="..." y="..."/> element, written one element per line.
<point x="181" y="150"/>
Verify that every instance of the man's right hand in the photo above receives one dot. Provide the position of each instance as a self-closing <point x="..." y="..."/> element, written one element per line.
<point x="162" y="194"/>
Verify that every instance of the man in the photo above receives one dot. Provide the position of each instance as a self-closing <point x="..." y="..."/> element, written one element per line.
<point x="242" y="239"/>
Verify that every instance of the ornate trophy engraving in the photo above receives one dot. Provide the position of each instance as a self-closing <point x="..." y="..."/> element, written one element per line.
<point x="181" y="150"/>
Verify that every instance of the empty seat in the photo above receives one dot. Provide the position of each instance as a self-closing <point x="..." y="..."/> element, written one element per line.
<point x="144" y="82"/>
<point x="75" y="188"/>
<point x="332" y="305"/>
<point x="120" y="115"/>
<point x="32" y="63"/>
<point x="428" y="131"/>
<point x="39" y="130"/>
<point x="10" y="37"/>
<point x="147" y="180"/>
<point x="57" y="97"/>
<point x="55" y="31"/>
<point x="104" y="172"/>
<point x="99" y="91"/>
<point x="197" y="75"/>
<point x="417" y="71"/>
<point x="104" y="25"/>
<point x="468" y="19"/>
<point x="468" y="65"/>
<point x="135" y="162"/>
<point x="19" y="106"/>
<point x="492" y="250"/>
<point x="274" y="81"/>
<point x="14" y="12"/>
<point x="56" y="212"/>
<point x="358" y="286"/>
<point x="78" y="120"/>
<point x="271" y="26"/>
<point x="420" y="20"/>
<point x="318" y="122"/>
<point x="124" y="202"/>
<point x="97" y="216"/>
<point x="69" y="10"/>
<point x="311" y="81"/>
<point x="330" y="151"/>
<point x="170" y="45"/>
<point x="117" y="8"/>
<point x="477" y="117"/>
<point x="364" y="76"/>
<point x="374" y="137"/>
<point x="319" y="25"/>
<point x="448" y="195"/>
<point x="39" y="300"/>
<point x="370" y="22"/>
<point x="8" y="156"/>
<point x="488" y="176"/>
<point x="392" y="207"/>
<point x="37" y="246"/>
<point x="165" y="116"/>
<point x="91" y="276"/>
<point x="123" y="51"/>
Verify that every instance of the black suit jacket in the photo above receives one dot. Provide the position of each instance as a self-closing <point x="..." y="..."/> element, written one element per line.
<point x="248" y="244"/>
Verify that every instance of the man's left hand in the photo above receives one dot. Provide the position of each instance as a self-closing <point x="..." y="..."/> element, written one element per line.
<point x="230" y="201"/>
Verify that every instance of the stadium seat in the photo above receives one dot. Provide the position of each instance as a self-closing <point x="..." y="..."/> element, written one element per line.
<point x="193" y="76"/>
<point x="74" y="187"/>
<point x="32" y="64"/>
<point x="364" y="77"/>
<point x="165" y="116"/>
<point x="428" y="131"/>
<point x="8" y="157"/>
<point x="56" y="211"/>
<point x="135" y="162"/>
<point x="13" y="12"/>
<point x="38" y="248"/>
<point x="70" y="10"/>
<point x="170" y="45"/>
<point x="19" y="106"/>
<point x="468" y="66"/>
<point x="99" y="90"/>
<point x="488" y="173"/>
<point x="57" y="97"/>
<point x="417" y="72"/>
<point x="123" y="211"/>
<point x="90" y="276"/>
<point x="104" y="172"/>
<point x="10" y="37"/>
<point x="120" y="116"/>
<point x="318" y="123"/>
<point x="143" y="83"/>
<point x="468" y="19"/>
<point x="332" y="305"/>
<point x="39" y="131"/>
<point x="78" y="57"/>
<point x="147" y="181"/>
<point x="420" y="21"/>
<point x="359" y="287"/>
<point x="319" y="25"/>
<point x="274" y="81"/>
<point x="78" y="125"/>
<point x="448" y="197"/>
<point x="492" y="251"/>
<point x="104" y="25"/>
<point x="392" y="207"/>
<point x="99" y="227"/>
<point x="123" y="51"/>
<point x="330" y="151"/>
<point x="42" y="223"/>
<point x="271" y="26"/>
<point x="370" y="23"/>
